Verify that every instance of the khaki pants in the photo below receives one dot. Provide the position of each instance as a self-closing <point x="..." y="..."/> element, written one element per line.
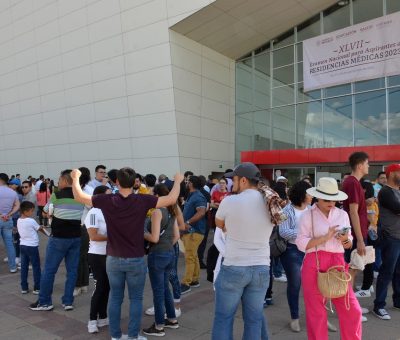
<point x="192" y="266"/>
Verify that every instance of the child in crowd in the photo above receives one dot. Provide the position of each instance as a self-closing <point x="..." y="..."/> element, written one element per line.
<point x="29" y="245"/>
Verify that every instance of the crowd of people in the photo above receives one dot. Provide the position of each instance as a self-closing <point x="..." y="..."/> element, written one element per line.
<point x="119" y="227"/>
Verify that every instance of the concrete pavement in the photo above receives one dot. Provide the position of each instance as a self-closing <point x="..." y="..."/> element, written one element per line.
<point x="18" y="322"/>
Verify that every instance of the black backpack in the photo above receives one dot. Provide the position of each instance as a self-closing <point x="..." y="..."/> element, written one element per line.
<point x="277" y="243"/>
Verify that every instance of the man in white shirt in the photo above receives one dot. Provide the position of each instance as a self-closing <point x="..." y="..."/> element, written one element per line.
<point x="244" y="274"/>
<point x="100" y="177"/>
<point x="38" y="183"/>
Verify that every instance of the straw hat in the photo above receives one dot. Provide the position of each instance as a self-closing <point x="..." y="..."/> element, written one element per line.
<point x="327" y="189"/>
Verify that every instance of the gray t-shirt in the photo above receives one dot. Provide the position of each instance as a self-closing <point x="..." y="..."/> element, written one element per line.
<point x="389" y="211"/>
<point x="7" y="199"/>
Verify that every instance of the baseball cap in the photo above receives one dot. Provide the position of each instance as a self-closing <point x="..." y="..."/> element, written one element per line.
<point x="247" y="169"/>
<point x="14" y="182"/>
<point x="281" y="178"/>
<point x="392" y="168"/>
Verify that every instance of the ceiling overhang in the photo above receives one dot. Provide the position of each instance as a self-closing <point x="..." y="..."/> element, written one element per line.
<point x="236" y="27"/>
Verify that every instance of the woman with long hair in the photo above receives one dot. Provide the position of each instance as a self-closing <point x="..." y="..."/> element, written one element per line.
<point x="42" y="197"/>
<point x="162" y="234"/>
<point x="292" y="258"/>
<point x="97" y="230"/>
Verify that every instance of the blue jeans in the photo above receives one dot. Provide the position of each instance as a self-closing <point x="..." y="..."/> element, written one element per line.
<point x="7" y="235"/>
<point x="292" y="259"/>
<point x="57" y="250"/>
<point x="389" y="272"/>
<point x="30" y="254"/>
<point x="240" y="283"/>
<point x="173" y="275"/>
<point x="160" y="264"/>
<point x="133" y="272"/>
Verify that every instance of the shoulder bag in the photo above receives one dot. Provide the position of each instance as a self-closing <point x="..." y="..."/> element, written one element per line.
<point x="334" y="282"/>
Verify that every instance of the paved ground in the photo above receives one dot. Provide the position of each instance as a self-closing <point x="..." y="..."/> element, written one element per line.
<point x="18" y="322"/>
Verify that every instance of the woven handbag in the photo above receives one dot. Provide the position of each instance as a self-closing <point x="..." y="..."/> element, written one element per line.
<point x="334" y="282"/>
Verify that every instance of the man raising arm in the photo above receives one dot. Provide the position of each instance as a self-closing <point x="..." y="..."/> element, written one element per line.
<point x="164" y="201"/>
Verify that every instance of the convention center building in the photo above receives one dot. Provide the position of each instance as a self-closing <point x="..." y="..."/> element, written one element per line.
<point x="294" y="86"/>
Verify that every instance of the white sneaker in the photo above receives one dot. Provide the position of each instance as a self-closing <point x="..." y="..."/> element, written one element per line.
<point x="17" y="260"/>
<point x="295" y="325"/>
<point x="125" y="337"/>
<point x="150" y="311"/>
<point x="363" y="293"/>
<point x="178" y="312"/>
<point x="102" y="322"/>
<point x="77" y="291"/>
<point x="281" y="278"/>
<point x="371" y="289"/>
<point x="364" y="310"/>
<point x="92" y="326"/>
<point x="364" y="319"/>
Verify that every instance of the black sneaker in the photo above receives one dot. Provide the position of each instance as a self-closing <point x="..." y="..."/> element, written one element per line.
<point x="195" y="284"/>
<point x="171" y="324"/>
<point x="381" y="313"/>
<point x="185" y="289"/>
<point x="152" y="330"/>
<point x="37" y="307"/>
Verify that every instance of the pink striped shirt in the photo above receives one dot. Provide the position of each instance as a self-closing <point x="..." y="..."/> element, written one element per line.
<point x="321" y="226"/>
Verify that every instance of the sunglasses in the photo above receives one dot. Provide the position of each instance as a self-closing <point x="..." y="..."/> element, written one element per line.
<point x="328" y="201"/>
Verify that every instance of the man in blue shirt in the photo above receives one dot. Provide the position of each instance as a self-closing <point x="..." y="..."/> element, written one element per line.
<point x="195" y="224"/>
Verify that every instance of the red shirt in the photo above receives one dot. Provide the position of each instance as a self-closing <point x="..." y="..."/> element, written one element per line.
<point x="352" y="187"/>
<point x="124" y="218"/>
<point x="218" y="196"/>
<point x="42" y="198"/>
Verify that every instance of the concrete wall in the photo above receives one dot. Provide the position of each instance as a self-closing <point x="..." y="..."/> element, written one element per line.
<point x="84" y="82"/>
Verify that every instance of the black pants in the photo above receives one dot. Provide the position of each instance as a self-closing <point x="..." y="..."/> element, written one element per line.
<point x="98" y="304"/>
<point x="42" y="220"/>
<point x="82" y="279"/>
<point x="368" y="272"/>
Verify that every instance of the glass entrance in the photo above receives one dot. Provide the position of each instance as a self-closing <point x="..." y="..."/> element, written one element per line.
<point x="294" y="175"/>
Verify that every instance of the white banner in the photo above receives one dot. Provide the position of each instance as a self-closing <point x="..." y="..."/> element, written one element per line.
<point x="360" y="52"/>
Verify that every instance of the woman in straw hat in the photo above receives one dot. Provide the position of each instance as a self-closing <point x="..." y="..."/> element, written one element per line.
<point x="324" y="234"/>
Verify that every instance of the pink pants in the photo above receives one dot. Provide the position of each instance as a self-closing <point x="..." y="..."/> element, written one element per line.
<point x="316" y="314"/>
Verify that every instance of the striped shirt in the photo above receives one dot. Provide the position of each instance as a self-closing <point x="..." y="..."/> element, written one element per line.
<point x="67" y="214"/>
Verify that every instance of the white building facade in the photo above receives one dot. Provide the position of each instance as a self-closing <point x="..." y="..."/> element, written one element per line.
<point x="87" y="82"/>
